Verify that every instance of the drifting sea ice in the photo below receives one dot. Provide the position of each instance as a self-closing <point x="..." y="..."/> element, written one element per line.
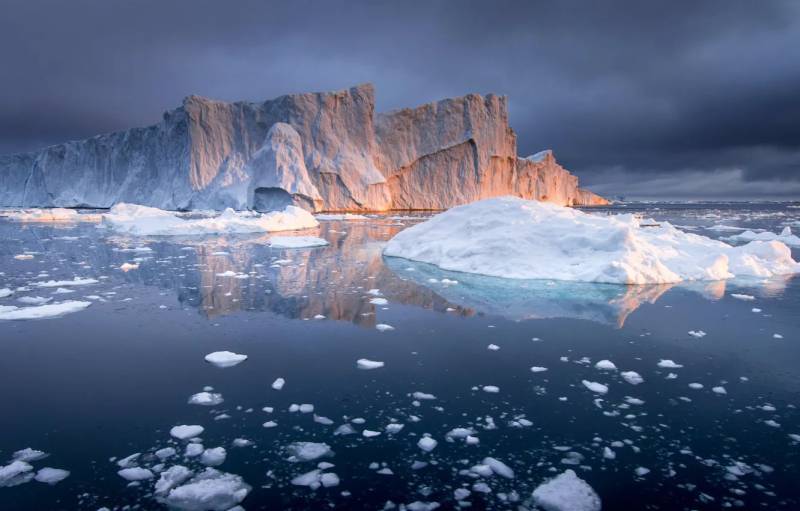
<point x="52" y="310"/>
<point x="278" y="383"/>
<point x="184" y="432"/>
<point x="27" y="454"/>
<point x="308" y="451"/>
<point x="785" y="237"/>
<point x="545" y="241"/>
<point x="16" y="472"/>
<point x="367" y="364"/>
<point x="632" y="377"/>
<point x="566" y="492"/>
<point x="225" y="358"/>
<point x="146" y="221"/>
<point x="135" y="474"/>
<point x="208" y="490"/>
<point x="427" y="444"/>
<point x="595" y="387"/>
<point x="51" y="475"/>
<point x="206" y="399"/>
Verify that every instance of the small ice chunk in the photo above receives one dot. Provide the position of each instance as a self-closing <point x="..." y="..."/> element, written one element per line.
<point x="499" y="468"/>
<point x="697" y="333"/>
<point x="225" y="358"/>
<point x="595" y="387"/>
<point x="566" y="492"/>
<point x="538" y="369"/>
<point x="379" y="301"/>
<point x="206" y="399"/>
<point x="213" y="457"/>
<point x="632" y="377"/>
<point x="184" y="432"/>
<point x="605" y="365"/>
<point x="51" y="475"/>
<point x="747" y="298"/>
<point x="493" y="347"/>
<point x="166" y="452"/>
<point x="296" y="242"/>
<point x="719" y="390"/>
<point x="422" y="396"/>
<point x="170" y="478"/>
<point x="394" y="428"/>
<point x="50" y="310"/>
<point x="209" y="490"/>
<point x="491" y="389"/>
<point x="427" y="444"/>
<point x="16" y="472"/>
<point x="135" y="474"/>
<point x="27" y="454"/>
<point x="696" y="386"/>
<point x="308" y="451"/>
<point x="193" y="450"/>
<point x="383" y="327"/>
<point x="366" y="364"/>
<point x="367" y="433"/>
<point x="668" y="364"/>
<point x="278" y="384"/>
<point x="641" y="471"/>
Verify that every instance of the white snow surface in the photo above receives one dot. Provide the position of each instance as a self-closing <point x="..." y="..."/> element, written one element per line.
<point x="184" y="432"/>
<point x="146" y="221"/>
<point x="516" y="238"/>
<point x="51" y="475"/>
<point x="786" y="237"/>
<point x="50" y="310"/>
<point x="566" y="492"/>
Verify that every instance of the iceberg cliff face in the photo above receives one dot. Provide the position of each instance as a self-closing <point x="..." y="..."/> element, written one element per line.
<point x="321" y="151"/>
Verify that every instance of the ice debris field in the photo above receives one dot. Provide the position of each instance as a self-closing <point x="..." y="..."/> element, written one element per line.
<point x="316" y="376"/>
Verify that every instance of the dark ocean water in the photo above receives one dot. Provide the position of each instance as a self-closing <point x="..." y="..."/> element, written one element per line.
<point x="111" y="380"/>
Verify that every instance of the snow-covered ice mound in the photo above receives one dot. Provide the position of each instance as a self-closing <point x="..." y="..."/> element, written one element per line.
<point x="146" y="221"/>
<point x="515" y="238"/>
<point x="52" y="310"/>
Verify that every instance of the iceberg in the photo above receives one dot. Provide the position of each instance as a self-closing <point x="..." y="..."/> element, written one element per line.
<point x="515" y="238"/>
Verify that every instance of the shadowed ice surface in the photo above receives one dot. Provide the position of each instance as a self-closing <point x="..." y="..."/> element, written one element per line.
<point x="112" y="379"/>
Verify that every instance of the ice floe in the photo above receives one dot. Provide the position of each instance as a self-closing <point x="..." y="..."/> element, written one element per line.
<point x="184" y="432"/>
<point x="566" y="492"/>
<point x="51" y="475"/>
<point x="225" y="358"/>
<point x="544" y="241"/>
<point x="785" y="237"/>
<point x="146" y="221"/>
<point x="51" y="310"/>
<point x="16" y="472"/>
<point x="367" y="364"/>
<point x="135" y="474"/>
<point x="595" y="387"/>
<point x="208" y="490"/>
<point x="308" y="451"/>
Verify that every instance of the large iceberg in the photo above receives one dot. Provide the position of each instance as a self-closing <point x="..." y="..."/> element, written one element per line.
<point x="320" y="151"/>
<point x="515" y="238"/>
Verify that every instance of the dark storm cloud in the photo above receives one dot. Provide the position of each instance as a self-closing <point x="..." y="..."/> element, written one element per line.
<point x="626" y="93"/>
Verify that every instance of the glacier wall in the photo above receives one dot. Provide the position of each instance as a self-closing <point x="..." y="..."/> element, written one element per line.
<point x="322" y="151"/>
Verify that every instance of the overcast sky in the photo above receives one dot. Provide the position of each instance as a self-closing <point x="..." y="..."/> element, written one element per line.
<point x="645" y="99"/>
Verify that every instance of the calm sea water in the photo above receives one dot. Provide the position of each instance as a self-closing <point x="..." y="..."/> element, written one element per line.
<point x="111" y="380"/>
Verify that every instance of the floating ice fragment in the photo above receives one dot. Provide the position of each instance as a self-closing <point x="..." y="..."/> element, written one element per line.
<point x="427" y="444"/>
<point x="135" y="474"/>
<point x="632" y="377"/>
<point x="538" y="369"/>
<point x="213" y="457"/>
<point x="27" y="454"/>
<point x="719" y="390"/>
<point x="206" y="399"/>
<point x="51" y="475"/>
<point x="747" y="298"/>
<point x="225" y="358"/>
<point x="566" y="492"/>
<point x="491" y="389"/>
<point x="697" y="333"/>
<point x="668" y="364"/>
<point x="308" y="451"/>
<point x="209" y="490"/>
<point x="50" y="310"/>
<point x="383" y="327"/>
<point x="16" y="472"/>
<point x="379" y="301"/>
<point x="367" y="364"/>
<point x="605" y="365"/>
<point x="499" y="468"/>
<point x="278" y="384"/>
<point x="184" y="432"/>
<point x="296" y="242"/>
<point x="595" y="387"/>
<point x="77" y="281"/>
<point x="493" y="347"/>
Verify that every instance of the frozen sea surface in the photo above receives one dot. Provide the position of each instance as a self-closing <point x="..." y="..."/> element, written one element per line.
<point x="713" y="423"/>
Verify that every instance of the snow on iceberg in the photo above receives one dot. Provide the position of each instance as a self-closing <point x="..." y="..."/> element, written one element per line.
<point x="520" y="239"/>
<point x="51" y="310"/>
<point x="786" y="237"/>
<point x="146" y="221"/>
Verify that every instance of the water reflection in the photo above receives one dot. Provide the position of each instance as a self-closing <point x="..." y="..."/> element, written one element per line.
<point x="229" y="274"/>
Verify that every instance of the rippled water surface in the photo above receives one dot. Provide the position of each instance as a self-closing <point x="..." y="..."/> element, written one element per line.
<point x="97" y="385"/>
